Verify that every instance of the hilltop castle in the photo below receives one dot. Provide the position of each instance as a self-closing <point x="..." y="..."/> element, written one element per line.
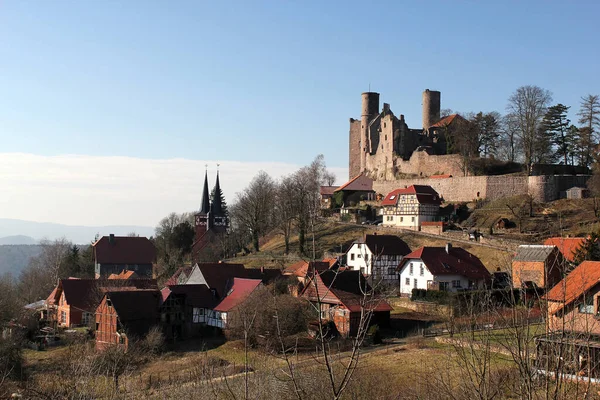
<point x="380" y="141"/>
<point x="384" y="148"/>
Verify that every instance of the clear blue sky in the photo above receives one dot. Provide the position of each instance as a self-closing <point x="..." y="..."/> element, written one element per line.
<point x="269" y="81"/>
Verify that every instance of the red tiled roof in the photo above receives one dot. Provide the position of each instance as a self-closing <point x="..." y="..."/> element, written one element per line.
<point x="328" y="190"/>
<point x="301" y="268"/>
<point x="346" y="288"/>
<point x="124" y="250"/>
<point x="567" y="246"/>
<point x="447" y="121"/>
<point x="174" y="280"/>
<point x="425" y="195"/>
<point x="241" y="289"/>
<point x="580" y="280"/>
<point x="358" y="183"/>
<point x="455" y="262"/>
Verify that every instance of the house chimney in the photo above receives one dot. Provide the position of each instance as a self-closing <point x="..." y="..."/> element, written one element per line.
<point x="262" y="270"/>
<point x="111" y="238"/>
<point x="448" y="247"/>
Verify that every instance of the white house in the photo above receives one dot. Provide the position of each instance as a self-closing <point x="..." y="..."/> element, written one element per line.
<point x="441" y="268"/>
<point x="409" y="207"/>
<point x="377" y="256"/>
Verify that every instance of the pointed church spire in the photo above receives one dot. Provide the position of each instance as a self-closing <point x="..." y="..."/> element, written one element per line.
<point x="217" y="205"/>
<point x="205" y="207"/>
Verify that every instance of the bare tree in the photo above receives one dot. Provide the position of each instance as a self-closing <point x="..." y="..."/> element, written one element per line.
<point x="284" y="210"/>
<point x="527" y="105"/>
<point x="253" y="208"/>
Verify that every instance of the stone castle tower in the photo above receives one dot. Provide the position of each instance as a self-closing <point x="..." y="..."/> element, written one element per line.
<point x="380" y="140"/>
<point x="210" y="220"/>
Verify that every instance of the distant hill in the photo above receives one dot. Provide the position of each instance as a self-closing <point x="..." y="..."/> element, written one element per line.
<point x="76" y="234"/>
<point x="13" y="258"/>
<point x="17" y="239"/>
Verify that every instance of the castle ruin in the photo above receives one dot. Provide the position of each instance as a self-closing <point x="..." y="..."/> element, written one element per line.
<point x="383" y="147"/>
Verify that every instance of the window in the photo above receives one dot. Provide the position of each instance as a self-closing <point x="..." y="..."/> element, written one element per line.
<point x="63" y="317"/>
<point x="85" y="318"/>
<point x="359" y="256"/>
<point x="407" y="281"/>
<point x="412" y="219"/>
<point x="108" y="303"/>
<point x="443" y="285"/>
<point x="401" y="219"/>
<point x="587" y="307"/>
<point x="121" y="339"/>
<point x="352" y="256"/>
<point x="197" y="315"/>
<point x="422" y="271"/>
<point x="410" y="270"/>
<point x="362" y="270"/>
<point x="456" y="284"/>
<point x="97" y="326"/>
<point x="415" y="282"/>
<point x="391" y="270"/>
<point x="366" y="257"/>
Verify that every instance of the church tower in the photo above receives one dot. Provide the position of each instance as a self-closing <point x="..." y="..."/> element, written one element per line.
<point x="219" y="218"/>
<point x="203" y="216"/>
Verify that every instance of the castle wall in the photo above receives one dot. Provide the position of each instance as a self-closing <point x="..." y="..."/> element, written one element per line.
<point x="423" y="165"/>
<point x="467" y="188"/>
<point x="354" y="148"/>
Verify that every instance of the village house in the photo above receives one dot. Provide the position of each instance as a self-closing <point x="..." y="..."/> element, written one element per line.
<point x="73" y="301"/>
<point x="567" y="246"/>
<point x="115" y="254"/>
<point x="573" y="307"/>
<point x="219" y="276"/>
<point x="180" y="277"/>
<point x="240" y="291"/>
<point x="343" y="297"/>
<point x="126" y="316"/>
<point x="357" y="189"/>
<point x="410" y="207"/>
<point x="538" y="266"/>
<point x="326" y="193"/>
<point x="185" y="309"/>
<point x="442" y="268"/>
<point x="303" y="270"/>
<point x="377" y="256"/>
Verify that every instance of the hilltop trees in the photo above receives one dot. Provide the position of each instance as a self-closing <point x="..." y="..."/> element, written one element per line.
<point x="528" y="105"/>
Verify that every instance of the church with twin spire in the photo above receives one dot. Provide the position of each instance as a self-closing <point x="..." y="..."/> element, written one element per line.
<point x="210" y="222"/>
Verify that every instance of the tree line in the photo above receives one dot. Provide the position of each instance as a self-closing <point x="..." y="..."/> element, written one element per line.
<point x="534" y="130"/>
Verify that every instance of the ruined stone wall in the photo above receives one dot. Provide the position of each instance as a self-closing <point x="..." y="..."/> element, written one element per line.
<point x="424" y="165"/>
<point x="549" y="187"/>
<point x="451" y="189"/>
<point x="354" y="148"/>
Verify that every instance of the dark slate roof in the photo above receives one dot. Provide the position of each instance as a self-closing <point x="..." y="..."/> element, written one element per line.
<point x="455" y="261"/>
<point x="328" y="190"/>
<point x="344" y="287"/>
<point x="195" y="295"/>
<point x="266" y="275"/>
<point x="533" y="252"/>
<point x="219" y="276"/>
<point x="86" y="294"/>
<point x="124" y="250"/>
<point x="358" y="183"/>
<point x="205" y="205"/>
<point x="138" y="310"/>
<point x="385" y="244"/>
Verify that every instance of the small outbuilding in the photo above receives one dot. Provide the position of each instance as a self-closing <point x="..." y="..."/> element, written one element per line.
<point x="578" y="193"/>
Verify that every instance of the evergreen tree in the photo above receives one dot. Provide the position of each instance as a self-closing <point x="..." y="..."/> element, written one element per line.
<point x="487" y="129"/>
<point x="589" y="118"/>
<point x="556" y="128"/>
<point x="589" y="249"/>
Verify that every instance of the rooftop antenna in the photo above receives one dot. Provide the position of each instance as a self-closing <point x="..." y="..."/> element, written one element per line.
<point x="369" y="86"/>
<point x="206" y="167"/>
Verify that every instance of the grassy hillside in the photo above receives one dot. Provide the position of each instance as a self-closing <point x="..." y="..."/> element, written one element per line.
<point x="557" y="218"/>
<point x="333" y="238"/>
